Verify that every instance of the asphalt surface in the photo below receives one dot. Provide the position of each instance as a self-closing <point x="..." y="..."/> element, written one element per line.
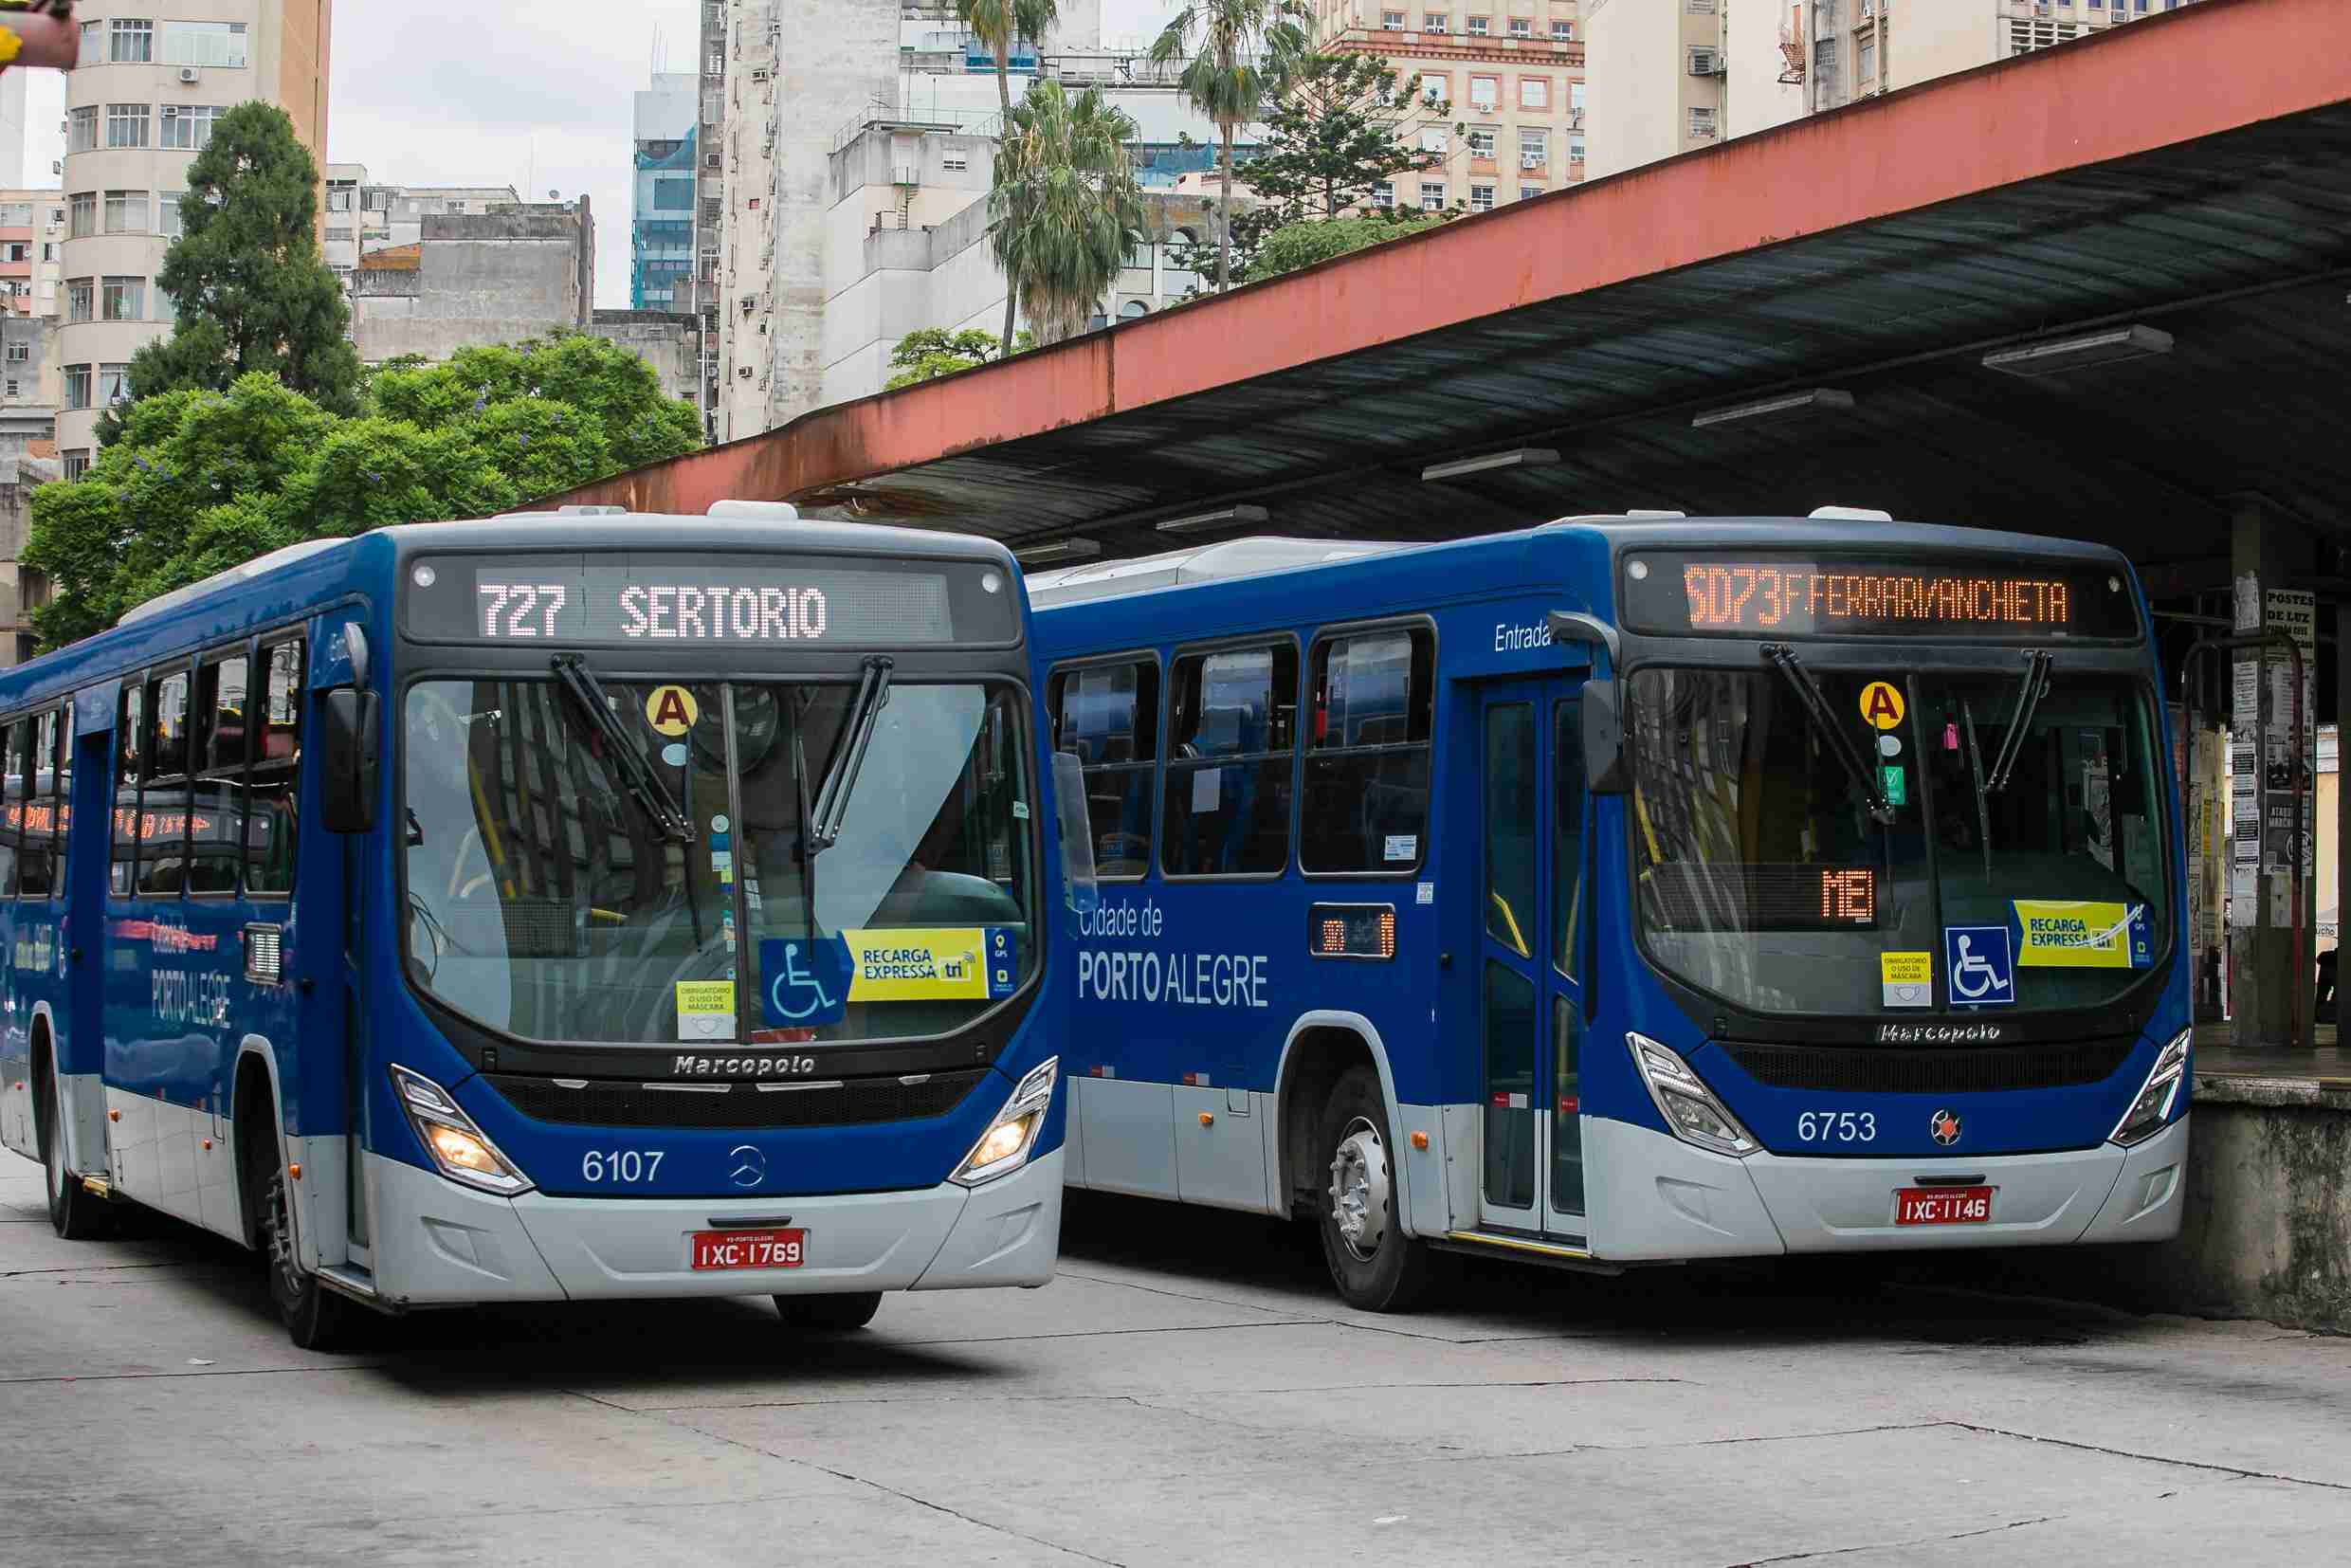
<point x="1187" y="1390"/>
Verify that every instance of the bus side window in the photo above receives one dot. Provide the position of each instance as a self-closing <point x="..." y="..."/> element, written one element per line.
<point x="14" y="747"/>
<point x="129" y="768"/>
<point x="1232" y="740"/>
<point x="1366" y="806"/>
<point x="163" y="803"/>
<point x="1107" y="716"/>
<point x="219" y="767"/>
<point x="36" y="818"/>
<point x="271" y="795"/>
<point x="56" y="750"/>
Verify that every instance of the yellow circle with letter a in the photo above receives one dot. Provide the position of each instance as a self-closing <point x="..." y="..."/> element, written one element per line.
<point x="671" y="711"/>
<point x="1881" y="704"/>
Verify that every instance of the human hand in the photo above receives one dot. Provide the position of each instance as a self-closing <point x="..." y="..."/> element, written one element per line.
<point x="39" y="32"/>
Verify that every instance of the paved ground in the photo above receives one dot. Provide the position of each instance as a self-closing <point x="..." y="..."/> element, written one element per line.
<point x="1187" y="1392"/>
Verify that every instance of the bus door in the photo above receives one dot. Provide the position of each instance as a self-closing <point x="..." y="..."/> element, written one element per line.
<point x="1531" y="772"/>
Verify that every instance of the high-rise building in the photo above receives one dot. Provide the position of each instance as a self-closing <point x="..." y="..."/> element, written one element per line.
<point x="154" y="77"/>
<point x="661" y="231"/>
<point x="363" y="216"/>
<point x="1670" y="76"/>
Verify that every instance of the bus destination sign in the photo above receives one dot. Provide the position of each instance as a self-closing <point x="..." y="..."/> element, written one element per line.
<point x="627" y="599"/>
<point x="1677" y="592"/>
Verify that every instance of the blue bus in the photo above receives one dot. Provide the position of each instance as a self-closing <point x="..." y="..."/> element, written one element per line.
<point x="559" y="907"/>
<point x="1628" y="890"/>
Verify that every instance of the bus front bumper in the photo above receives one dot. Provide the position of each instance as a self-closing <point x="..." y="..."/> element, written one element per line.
<point x="1656" y="1197"/>
<point x="437" y="1243"/>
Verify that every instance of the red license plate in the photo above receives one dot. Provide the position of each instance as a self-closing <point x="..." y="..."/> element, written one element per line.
<point x="1942" y="1205"/>
<point x="750" y="1248"/>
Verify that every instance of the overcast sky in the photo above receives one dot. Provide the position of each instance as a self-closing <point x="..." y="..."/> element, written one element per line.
<point x="536" y="94"/>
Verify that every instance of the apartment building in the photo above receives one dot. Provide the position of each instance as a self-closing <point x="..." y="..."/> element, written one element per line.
<point x="154" y="77"/>
<point x="1670" y="76"/>
<point x="1513" y="71"/>
<point x="362" y="215"/>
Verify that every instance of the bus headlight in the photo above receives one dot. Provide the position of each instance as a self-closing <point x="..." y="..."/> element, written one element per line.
<point x="1004" y="1147"/>
<point x="463" y="1151"/>
<point x="2152" y="1111"/>
<point x="1688" y="1107"/>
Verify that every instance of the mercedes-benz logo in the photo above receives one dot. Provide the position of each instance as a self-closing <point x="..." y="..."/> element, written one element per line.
<point x="749" y="1165"/>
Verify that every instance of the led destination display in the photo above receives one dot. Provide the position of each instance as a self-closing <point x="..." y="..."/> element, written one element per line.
<point x="1677" y="592"/>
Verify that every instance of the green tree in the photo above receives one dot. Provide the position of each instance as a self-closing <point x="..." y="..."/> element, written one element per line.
<point x="1303" y="244"/>
<point x="930" y="353"/>
<point x="1066" y="208"/>
<point x="246" y="275"/>
<point x="995" y="23"/>
<point x="1236" y="55"/>
<point x="1344" y="127"/>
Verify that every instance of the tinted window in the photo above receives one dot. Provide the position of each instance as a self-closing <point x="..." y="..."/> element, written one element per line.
<point x="271" y="798"/>
<point x="1108" y="717"/>
<point x="130" y="768"/>
<point x="13" y="745"/>
<point x="163" y="802"/>
<point x="1367" y="754"/>
<point x="217" y="795"/>
<point x="1233" y="725"/>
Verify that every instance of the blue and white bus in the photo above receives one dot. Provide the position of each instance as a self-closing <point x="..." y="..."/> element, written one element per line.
<point x="548" y="908"/>
<point x="1628" y="890"/>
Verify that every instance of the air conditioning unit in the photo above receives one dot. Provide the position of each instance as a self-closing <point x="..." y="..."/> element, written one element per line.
<point x="903" y="174"/>
<point x="189" y="76"/>
<point x="56" y="166"/>
<point x="1530" y="160"/>
<point x="744" y="372"/>
<point x="171" y="111"/>
<point x="1705" y="62"/>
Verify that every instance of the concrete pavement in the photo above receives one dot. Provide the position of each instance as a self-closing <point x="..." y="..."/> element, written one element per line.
<point x="1187" y="1392"/>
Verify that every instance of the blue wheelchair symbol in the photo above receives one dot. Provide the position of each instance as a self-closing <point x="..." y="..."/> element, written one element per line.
<point x="807" y="982"/>
<point x="1979" y="965"/>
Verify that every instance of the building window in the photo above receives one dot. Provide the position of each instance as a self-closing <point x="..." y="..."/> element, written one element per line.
<point x="338" y="200"/>
<point x="85" y="205"/>
<point x="80" y="299"/>
<point x="19" y="352"/>
<point x="1478" y="26"/>
<point x="82" y="129"/>
<point x="1528" y="193"/>
<point x="77" y="460"/>
<point x="127" y="124"/>
<point x="1383" y="197"/>
<point x="1481" y="142"/>
<point x="1865" y="59"/>
<point x="204" y="44"/>
<point x="1701" y="8"/>
<point x="1562" y="29"/>
<point x="48" y="250"/>
<point x="126" y="211"/>
<point x="1434" y="89"/>
<point x="1522" y="26"/>
<point x="133" y="42"/>
<point x="93" y="43"/>
<point x="77" y="385"/>
<point x="2024" y="37"/>
<point x="124" y="300"/>
<point x="1534" y="148"/>
<point x="1701" y="121"/>
<point x="114" y="382"/>
<point x="1481" y="199"/>
<point x="1484" y="93"/>
<point x="19" y="252"/>
<point x="167" y="213"/>
<point x="1534" y="92"/>
<point x="188" y="127"/>
<point x="1432" y="196"/>
<point x="1432" y="141"/>
<point x="1391" y="21"/>
<point x="1575" y="147"/>
<point x="1433" y="21"/>
<point x="954" y="163"/>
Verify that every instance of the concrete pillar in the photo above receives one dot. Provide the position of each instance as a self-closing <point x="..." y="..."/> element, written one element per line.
<point x="2263" y="979"/>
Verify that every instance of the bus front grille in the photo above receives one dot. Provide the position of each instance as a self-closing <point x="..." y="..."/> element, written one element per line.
<point x="851" y="1102"/>
<point x="1896" y="1069"/>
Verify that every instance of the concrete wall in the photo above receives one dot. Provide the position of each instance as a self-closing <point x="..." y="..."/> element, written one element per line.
<point x="663" y="340"/>
<point x="1754" y="98"/>
<point x="493" y="278"/>
<point x="1639" y="87"/>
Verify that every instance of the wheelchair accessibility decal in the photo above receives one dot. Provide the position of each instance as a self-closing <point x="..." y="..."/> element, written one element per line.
<point x="808" y="982"/>
<point x="1981" y="964"/>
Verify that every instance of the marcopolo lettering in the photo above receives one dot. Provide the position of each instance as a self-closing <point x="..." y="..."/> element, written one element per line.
<point x="689" y="1066"/>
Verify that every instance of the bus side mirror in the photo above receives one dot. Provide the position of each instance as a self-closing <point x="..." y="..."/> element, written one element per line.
<point x="347" y="755"/>
<point x="1079" y="889"/>
<point x="1604" y="739"/>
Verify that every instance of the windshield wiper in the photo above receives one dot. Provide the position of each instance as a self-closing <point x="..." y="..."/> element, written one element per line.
<point x="1824" y="720"/>
<point x="824" y="820"/>
<point x="637" y="776"/>
<point x="2020" y="722"/>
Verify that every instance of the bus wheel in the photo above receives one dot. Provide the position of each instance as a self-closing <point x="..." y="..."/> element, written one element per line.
<point x="75" y="1211"/>
<point x="316" y="1318"/>
<point x="829" y="1314"/>
<point x="1376" y="1265"/>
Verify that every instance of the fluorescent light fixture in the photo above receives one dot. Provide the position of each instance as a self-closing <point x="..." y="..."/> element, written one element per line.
<point x="1059" y="550"/>
<point x="1518" y="457"/>
<point x="1224" y="516"/>
<point x="1787" y="406"/>
<point x="2072" y="354"/>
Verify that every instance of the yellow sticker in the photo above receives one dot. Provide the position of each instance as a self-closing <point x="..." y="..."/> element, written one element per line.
<point x="2064" y="934"/>
<point x="1881" y="704"/>
<point x="706" y="1009"/>
<point x="1907" y="978"/>
<point x="671" y="711"/>
<point x="915" y="966"/>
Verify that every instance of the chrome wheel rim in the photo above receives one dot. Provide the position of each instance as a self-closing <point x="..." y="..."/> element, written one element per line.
<point x="1359" y="1190"/>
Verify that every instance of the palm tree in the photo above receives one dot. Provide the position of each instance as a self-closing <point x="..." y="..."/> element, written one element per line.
<point x="995" y="23"/>
<point x="1247" y="51"/>
<point x="1065" y="208"/>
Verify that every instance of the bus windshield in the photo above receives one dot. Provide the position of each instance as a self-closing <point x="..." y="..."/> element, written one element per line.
<point x="548" y="899"/>
<point x="1998" y="846"/>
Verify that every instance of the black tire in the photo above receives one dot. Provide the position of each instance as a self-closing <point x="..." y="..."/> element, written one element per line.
<point x="1390" y="1273"/>
<point x="316" y="1318"/>
<point x="829" y="1314"/>
<point x="75" y="1211"/>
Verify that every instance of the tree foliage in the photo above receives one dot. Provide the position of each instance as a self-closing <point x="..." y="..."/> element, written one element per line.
<point x="251" y="290"/>
<point x="1236" y="57"/>
<point x="930" y="353"/>
<point x="197" y="480"/>
<point x="1296" y="245"/>
<point x="1065" y="208"/>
